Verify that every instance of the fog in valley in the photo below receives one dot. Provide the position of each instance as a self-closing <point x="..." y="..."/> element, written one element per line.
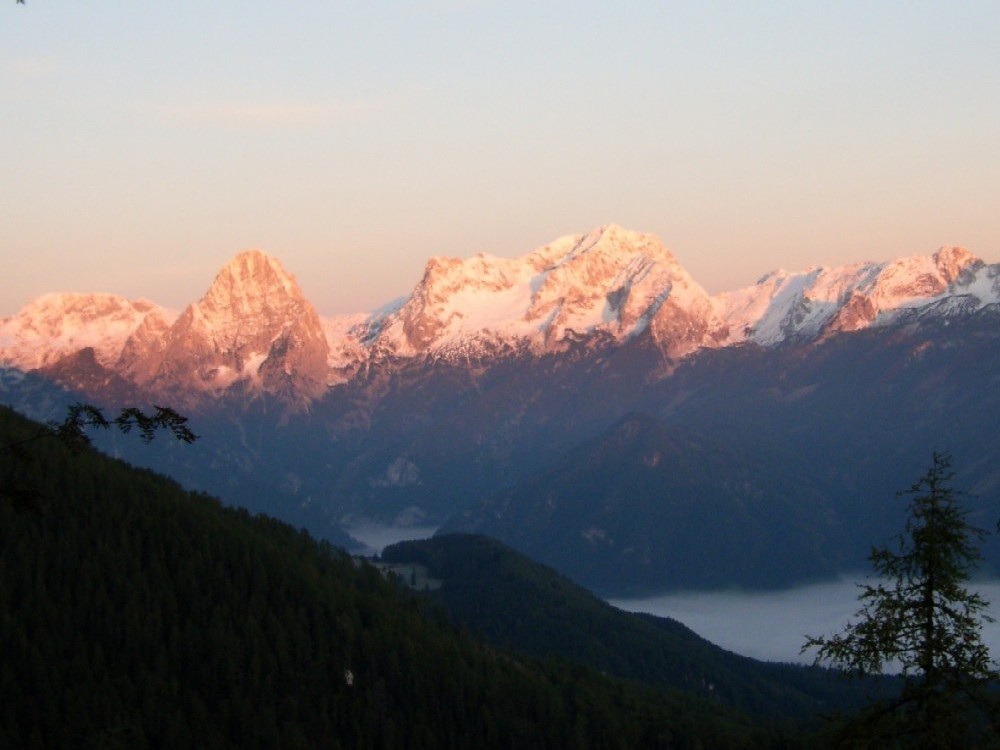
<point x="772" y="625"/>
<point x="377" y="537"/>
<point x="766" y="625"/>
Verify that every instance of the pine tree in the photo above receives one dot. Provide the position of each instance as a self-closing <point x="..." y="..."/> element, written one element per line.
<point x="920" y="618"/>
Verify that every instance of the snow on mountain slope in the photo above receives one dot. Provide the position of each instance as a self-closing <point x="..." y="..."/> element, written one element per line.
<point x="346" y="351"/>
<point x="254" y="332"/>
<point x="610" y="280"/>
<point x="980" y="283"/>
<point x="56" y="325"/>
<point x="786" y="306"/>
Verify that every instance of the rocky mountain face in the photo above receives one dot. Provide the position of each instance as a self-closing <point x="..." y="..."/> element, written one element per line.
<point x="253" y="330"/>
<point x="253" y="334"/>
<point x="610" y="284"/>
<point x="581" y="512"/>
<point x="56" y="325"/>
<point x="489" y="396"/>
<point x="784" y="306"/>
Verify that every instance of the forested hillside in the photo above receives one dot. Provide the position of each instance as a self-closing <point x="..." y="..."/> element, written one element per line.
<point x="136" y="614"/>
<point x="513" y="602"/>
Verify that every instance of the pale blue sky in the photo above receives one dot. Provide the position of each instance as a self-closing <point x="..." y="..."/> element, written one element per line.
<point x="143" y="144"/>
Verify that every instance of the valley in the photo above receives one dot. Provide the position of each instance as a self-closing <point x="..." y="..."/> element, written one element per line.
<point x="588" y="403"/>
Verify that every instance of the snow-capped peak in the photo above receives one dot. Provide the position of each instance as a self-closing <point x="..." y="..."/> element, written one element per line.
<point x="820" y="301"/>
<point x="55" y="325"/>
<point x="611" y="280"/>
<point x="254" y="332"/>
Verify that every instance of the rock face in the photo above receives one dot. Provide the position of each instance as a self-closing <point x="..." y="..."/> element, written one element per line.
<point x="610" y="284"/>
<point x="253" y="334"/>
<point x="252" y="329"/>
<point x="813" y="304"/>
<point x="143" y="349"/>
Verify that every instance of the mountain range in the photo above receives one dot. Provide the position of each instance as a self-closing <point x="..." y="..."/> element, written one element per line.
<point x="254" y="333"/>
<point x="589" y="402"/>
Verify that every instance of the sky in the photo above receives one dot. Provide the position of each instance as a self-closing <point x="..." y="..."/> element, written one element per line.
<point x="142" y="145"/>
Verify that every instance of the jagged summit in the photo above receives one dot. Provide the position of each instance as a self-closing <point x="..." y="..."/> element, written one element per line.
<point x="253" y="327"/>
<point x="250" y="284"/>
<point x="251" y="288"/>
<point x="951" y="260"/>
<point x="254" y="333"/>
<point x="785" y="306"/>
<point x="610" y="281"/>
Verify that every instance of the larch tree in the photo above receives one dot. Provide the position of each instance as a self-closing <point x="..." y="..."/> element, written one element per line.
<point x="919" y="618"/>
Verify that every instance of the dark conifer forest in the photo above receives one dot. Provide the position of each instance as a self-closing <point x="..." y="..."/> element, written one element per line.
<point x="510" y="601"/>
<point x="136" y="614"/>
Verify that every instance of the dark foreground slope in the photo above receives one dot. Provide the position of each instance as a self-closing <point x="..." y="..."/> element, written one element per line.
<point x="135" y="614"/>
<point x="515" y="603"/>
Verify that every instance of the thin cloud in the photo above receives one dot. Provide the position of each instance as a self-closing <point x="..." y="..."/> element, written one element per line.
<point x="264" y="114"/>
